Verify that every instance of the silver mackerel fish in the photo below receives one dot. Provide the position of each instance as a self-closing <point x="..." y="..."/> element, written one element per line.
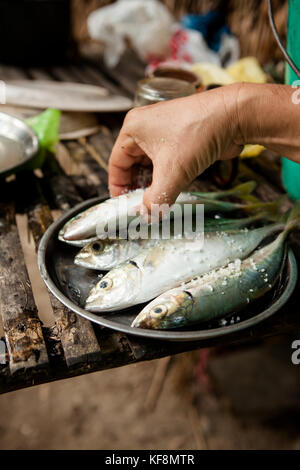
<point x="121" y="210"/>
<point x="222" y="291"/>
<point x="162" y="267"/>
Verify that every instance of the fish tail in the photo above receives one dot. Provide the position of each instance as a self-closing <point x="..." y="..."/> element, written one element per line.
<point x="268" y="216"/>
<point x="242" y="191"/>
<point x="293" y="221"/>
<point x="272" y="208"/>
<point x="250" y="198"/>
<point x="273" y="216"/>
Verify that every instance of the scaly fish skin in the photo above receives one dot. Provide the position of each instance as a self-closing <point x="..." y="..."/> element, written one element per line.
<point x="115" y="211"/>
<point x="173" y="261"/>
<point x="84" y="225"/>
<point x="215" y="294"/>
<point x="104" y="255"/>
<point x="114" y="288"/>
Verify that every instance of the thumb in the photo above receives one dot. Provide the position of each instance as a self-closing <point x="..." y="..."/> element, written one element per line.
<point x="168" y="180"/>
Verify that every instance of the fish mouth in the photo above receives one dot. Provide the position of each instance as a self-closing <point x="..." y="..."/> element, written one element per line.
<point x="144" y="323"/>
<point x="83" y="261"/>
<point x="80" y="243"/>
<point x="73" y="235"/>
<point x="61" y="235"/>
<point x="69" y="233"/>
<point x="115" y="291"/>
<point x="97" y="307"/>
<point x="97" y="303"/>
<point x="91" y="307"/>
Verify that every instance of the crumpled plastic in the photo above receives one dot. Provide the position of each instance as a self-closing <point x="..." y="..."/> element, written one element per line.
<point x="189" y="46"/>
<point x="212" y="74"/>
<point x="156" y="37"/>
<point x="147" y="24"/>
<point x="217" y="35"/>
<point x="251" y="150"/>
<point x="247" y="69"/>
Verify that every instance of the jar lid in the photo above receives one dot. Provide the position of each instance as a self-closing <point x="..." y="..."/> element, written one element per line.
<point x="161" y="88"/>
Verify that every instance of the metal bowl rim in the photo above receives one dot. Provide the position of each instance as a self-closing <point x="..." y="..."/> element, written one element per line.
<point x="34" y="139"/>
<point x="169" y="335"/>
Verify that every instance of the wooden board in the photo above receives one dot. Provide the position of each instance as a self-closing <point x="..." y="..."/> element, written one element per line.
<point x="35" y="354"/>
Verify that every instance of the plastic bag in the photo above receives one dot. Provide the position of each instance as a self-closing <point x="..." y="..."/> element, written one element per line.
<point x="46" y="126"/>
<point x="217" y="36"/>
<point x="147" y="24"/>
<point x="188" y="45"/>
<point x="247" y="69"/>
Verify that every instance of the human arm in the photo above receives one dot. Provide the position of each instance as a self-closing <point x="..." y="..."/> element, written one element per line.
<point x="181" y="138"/>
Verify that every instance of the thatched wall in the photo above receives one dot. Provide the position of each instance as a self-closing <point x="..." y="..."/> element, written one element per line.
<point x="248" y="19"/>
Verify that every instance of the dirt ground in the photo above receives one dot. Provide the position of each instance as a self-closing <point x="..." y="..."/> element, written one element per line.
<point x="249" y="399"/>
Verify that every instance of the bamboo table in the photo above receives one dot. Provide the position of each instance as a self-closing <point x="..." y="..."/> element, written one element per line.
<point x="31" y="353"/>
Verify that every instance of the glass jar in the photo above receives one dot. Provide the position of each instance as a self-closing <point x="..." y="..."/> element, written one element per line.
<point x="156" y="89"/>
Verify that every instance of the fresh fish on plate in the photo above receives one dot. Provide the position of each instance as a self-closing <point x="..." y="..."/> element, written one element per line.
<point x="120" y="210"/>
<point x="217" y="293"/>
<point x="166" y="265"/>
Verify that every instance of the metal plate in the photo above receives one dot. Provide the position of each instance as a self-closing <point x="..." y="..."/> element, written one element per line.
<point x="19" y="133"/>
<point x="71" y="284"/>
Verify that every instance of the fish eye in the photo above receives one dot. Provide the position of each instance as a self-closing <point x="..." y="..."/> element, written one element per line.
<point x="97" y="247"/>
<point x="158" y="310"/>
<point x="106" y="284"/>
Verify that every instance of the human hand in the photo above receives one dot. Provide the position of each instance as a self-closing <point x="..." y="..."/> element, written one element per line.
<point x="180" y="138"/>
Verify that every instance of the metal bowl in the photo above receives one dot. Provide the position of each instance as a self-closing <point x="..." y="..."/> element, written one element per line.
<point x="71" y="285"/>
<point x="18" y="132"/>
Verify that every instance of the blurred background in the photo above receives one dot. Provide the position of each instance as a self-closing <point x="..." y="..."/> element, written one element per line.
<point x="247" y="20"/>
<point x="235" y="398"/>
